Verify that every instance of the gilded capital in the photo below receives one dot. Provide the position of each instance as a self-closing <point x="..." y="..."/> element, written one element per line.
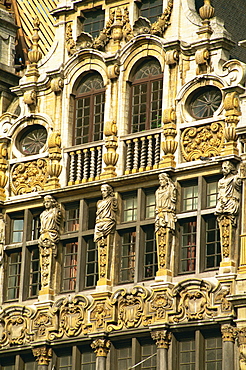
<point x="162" y="338"/>
<point x="43" y="355"/>
<point x="228" y="333"/>
<point x="101" y="347"/>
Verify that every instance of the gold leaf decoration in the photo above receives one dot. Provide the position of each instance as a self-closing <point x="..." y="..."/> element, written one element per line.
<point x="202" y="141"/>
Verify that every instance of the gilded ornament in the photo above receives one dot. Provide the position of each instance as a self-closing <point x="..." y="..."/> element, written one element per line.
<point x="28" y="177"/>
<point x="158" y="28"/>
<point x="162" y="338"/>
<point x="70" y="43"/>
<point x="111" y="143"/>
<point x="202" y="141"/>
<point x="160" y="303"/>
<point x="101" y="347"/>
<point x="30" y="97"/>
<point x="228" y="333"/>
<point x="130" y="308"/>
<point x="43" y="355"/>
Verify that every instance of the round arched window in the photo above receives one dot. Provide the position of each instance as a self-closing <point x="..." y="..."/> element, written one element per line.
<point x="32" y="139"/>
<point x="204" y="101"/>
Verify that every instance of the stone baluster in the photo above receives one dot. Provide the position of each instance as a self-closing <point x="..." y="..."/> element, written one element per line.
<point x="86" y="165"/>
<point x="99" y="162"/>
<point x="135" y="155"/>
<point x="150" y="153"/>
<point x="143" y="154"/>
<point x="79" y="167"/>
<point x="157" y="151"/>
<point x="72" y="169"/>
<point x="128" y="157"/>
<point x="92" y="164"/>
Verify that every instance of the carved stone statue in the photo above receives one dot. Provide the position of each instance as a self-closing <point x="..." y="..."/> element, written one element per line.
<point x="105" y="216"/>
<point x="50" y="220"/>
<point x="49" y="237"/>
<point x="229" y="191"/>
<point x="165" y="203"/>
<point x="165" y="222"/>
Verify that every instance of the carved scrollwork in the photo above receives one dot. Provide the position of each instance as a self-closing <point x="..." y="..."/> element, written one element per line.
<point x="41" y="324"/>
<point x="101" y="313"/>
<point x="71" y="316"/>
<point x="202" y="141"/>
<point x="130" y="307"/>
<point x="160" y="303"/>
<point x="234" y="72"/>
<point x="28" y="177"/>
<point x="193" y="298"/>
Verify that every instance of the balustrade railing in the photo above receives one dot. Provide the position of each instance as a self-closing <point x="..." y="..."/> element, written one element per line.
<point x="142" y="153"/>
<point x="85" y="164"/>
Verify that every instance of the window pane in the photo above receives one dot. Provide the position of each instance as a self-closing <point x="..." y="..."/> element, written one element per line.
<point x="213" y="354"/>
<point x="187" y="354"/>
<point x="213" y="249"/>
<point x="127" y="269"/>
<point x="150" y="254"/>
<point x="212" y="193"/>
<point x="94" y="22"/>
<point x="36" y="224"/>
<point x="70" y="266"/>
<point x="34" y="281"/>
<point x="91" y="275"/>
<point x="13" y="275"/>
<point x="190" y="196"/>
<point x="148" y="350"/>
<point x="188" y="246"/>
<point x="17" y="230"/>
<point x="150" y="205"/>
<point x="130" y="208"/>
<point x="88" y="359"/>
<point x="151" y="9"/>
<point x="71" y="217"/>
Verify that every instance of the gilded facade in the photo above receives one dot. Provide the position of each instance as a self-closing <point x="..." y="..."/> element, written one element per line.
<point x="122" y="185"/>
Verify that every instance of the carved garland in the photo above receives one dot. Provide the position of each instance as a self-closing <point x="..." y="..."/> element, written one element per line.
<point x="202" y="141"/>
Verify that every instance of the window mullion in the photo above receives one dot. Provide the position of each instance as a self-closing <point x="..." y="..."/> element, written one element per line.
<point x="25" y="261"/>
<point x="83" y="210"/>
<point x="139" y="238"/>
<point x="199" y="350"/>
<point x="148" y="104"/>
<point x="199" y="235"/>
<point x="92" y="115"/>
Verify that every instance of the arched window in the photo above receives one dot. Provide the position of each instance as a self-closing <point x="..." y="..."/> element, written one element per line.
<point x="89" y="105"/>
<point x="146" y="97"/>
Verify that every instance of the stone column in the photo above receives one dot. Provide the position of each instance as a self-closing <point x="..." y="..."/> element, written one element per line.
<point x="163" y="340"/>
<point x="241" y="334"/>
<point x="101" y="348"/>
<point x="43" y="355"/>
<point x="228" y="338"/>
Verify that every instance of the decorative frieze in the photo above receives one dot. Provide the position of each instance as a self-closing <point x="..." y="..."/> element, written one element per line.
<point x="28" y="177"/>
<point x="202" y="141"/>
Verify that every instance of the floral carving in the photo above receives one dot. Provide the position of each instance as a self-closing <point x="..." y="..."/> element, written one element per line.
<point x="221" y="297"/>
<point x="202" y="141"/>
<point x="71" y="314"/>
<point x="130" y="307"/>
<point x="100" y="313"/>
<point x="160" y="303"/>
<point x="41" y="324"/>
<point x="28" y="177"/>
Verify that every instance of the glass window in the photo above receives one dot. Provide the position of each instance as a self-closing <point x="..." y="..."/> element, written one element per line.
<point x="65" y="359"/>
<point x="70" y="266"/>
<point x="88" y="359"/>
<point x="205" y="101"/>
<point x="17" y="230"/>
<point x="94" y="22"/>
<point x="150" y="205"/>
<point x="187" y="354"/>
<point x="146" y="98"/>
<point x="36" y="224"/>
<point x="124" y="356"/>
<point x="34" y="279"/>
<point x="190" y="196"/>
<point x="213" y="354"/>
<point x="149" y="350"/>
<point x="89" y="109"/>
<point x="130" y="208"/>
<point x="29" y="362"/>
<point x="71" y="217"/>
<point x="212" y="194"/>
<point x="127" y="268"/>
<point x="188" y="246"/>
<point x="213" y="249"/>
<point x="13" y="274"/>
<point x="151" y="9"/>
<point x="32" y="139"/>
<point x="150" y="256"/>
<point x="91" y="275"/>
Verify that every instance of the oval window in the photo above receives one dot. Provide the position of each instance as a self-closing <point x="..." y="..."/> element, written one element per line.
<point x="32" y="139"/>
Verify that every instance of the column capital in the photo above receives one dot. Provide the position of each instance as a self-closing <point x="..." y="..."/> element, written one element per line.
<point x="162" y="338"/>
<point x="43" y="355"/>
<point x="101" y="347"/>
<point x="228" y="333"/>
